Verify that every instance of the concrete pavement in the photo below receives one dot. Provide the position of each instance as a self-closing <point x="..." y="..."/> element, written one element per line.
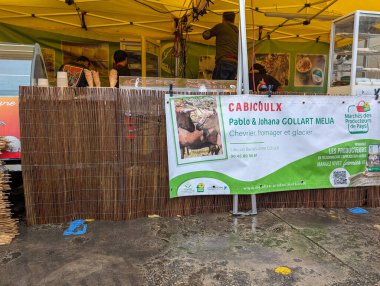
<point x="319" y="246"/>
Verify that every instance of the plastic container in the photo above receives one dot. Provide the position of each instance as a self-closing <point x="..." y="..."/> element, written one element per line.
<point x="43" y="82"/>
<point x="62" y="80"/>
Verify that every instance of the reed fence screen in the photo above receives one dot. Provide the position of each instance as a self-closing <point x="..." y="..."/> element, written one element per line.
<point x="101" y="154"/>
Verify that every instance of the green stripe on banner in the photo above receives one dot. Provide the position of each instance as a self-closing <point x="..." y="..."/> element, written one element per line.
<point x="302" y="174"/>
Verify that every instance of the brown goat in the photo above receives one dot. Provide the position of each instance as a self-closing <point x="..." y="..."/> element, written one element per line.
<point x="184" y="120"/>
<point x="212" y="122"/>
<point x="197" y="140"/>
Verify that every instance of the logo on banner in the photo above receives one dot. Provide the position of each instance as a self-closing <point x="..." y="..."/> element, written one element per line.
<point x="203" y="186"/>
<point x="217" y="188"/>
<point x="200" y="188"/>
<point x="188" y="188"/>
<point x="363" y="106"/>
<point x="358" y="117"/>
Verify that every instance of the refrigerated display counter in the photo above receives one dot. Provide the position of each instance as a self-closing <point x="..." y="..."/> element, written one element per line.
<point x="20" y="65"/>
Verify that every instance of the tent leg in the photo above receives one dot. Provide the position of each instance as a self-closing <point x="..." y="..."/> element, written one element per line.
<point x="243" y="48"/>
<point x="243" y="85"/>
<point x="254" y="205"/>
<point x="143" y="57"/>
<point x="239" y="75"/>
<point x="235" y="206"/>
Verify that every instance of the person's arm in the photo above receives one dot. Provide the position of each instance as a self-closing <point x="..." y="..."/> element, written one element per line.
<point x="88" y="75"/>
<point x="113" y="78"/>
<point x="95" y="76"/>
<point x="208" y="34"/>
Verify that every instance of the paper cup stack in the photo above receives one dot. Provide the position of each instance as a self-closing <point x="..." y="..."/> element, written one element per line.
<point x="62" y="80"/>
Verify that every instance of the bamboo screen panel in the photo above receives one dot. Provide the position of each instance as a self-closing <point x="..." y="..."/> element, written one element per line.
<point x="101" y="153"/>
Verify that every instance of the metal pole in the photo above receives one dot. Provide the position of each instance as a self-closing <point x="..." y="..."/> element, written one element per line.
<point x="244" y="58"/>
<point x="235" y="203"/>
<point x="243" y="48"/>
<point x="242" y="78"/>
<point x="235" y="206"/>
<point x="143" y="56"/>
<point x="354" y="51"/>
<point x="240" y="69"/>
<point x="254" y="205"/>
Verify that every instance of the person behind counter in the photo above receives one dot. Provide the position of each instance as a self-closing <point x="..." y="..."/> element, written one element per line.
<point x="120" y="68"/>
<point x="263" y="80"/>
<point x="79" y="73"/>
<point x="227" y="45"/>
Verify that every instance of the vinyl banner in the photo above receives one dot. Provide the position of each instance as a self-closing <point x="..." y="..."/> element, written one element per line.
<point x="10" y="127"/>
<point x="245" y="144"/>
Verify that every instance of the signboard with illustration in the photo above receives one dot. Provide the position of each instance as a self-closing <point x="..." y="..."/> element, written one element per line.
<point x="255" y="144"/>
<point x="276" y="65"/>
<point x="9" y="127"/>
<point x="98" y="53"/>
<point x="310" y="70"/>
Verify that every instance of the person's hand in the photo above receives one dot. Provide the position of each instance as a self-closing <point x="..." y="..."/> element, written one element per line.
<point x="206" y="34"/>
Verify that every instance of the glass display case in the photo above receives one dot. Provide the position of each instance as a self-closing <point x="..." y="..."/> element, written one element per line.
<point x="143" y="56"/>
<point x="20" y="65"/>
<point x="178" y="84"/>
<point x="355" y="54"/>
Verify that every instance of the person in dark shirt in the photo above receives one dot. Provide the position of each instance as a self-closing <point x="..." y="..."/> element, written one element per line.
<point x="227" y="46"/>
<point x="76" y="72"/>
<point x="120" y="68"/>
<point x="263" y="80"/>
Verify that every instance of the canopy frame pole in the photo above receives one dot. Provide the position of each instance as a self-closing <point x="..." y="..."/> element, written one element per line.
<point x="243" y="48"/>
<point x="143" y="56"/>
<point x="243" y="86"/>
<point x="268" y="8"/>
<point x="58" y="21"/>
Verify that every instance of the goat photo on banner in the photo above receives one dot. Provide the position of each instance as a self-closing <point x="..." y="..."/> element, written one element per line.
<point x="199" y="133"/>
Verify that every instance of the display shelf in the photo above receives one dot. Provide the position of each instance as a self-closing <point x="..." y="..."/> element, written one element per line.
<point x="143" y="56"/>
<point x="361" y="35"/>
<point x="355" y="53"/>
<point x="369" y="69"/>
<point x="342" y="71"/>
<point x="361" y="53"/>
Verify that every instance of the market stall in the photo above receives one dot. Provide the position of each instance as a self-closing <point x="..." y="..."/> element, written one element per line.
<point x="115" y="160"/>
<point x="116" y="152"/>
